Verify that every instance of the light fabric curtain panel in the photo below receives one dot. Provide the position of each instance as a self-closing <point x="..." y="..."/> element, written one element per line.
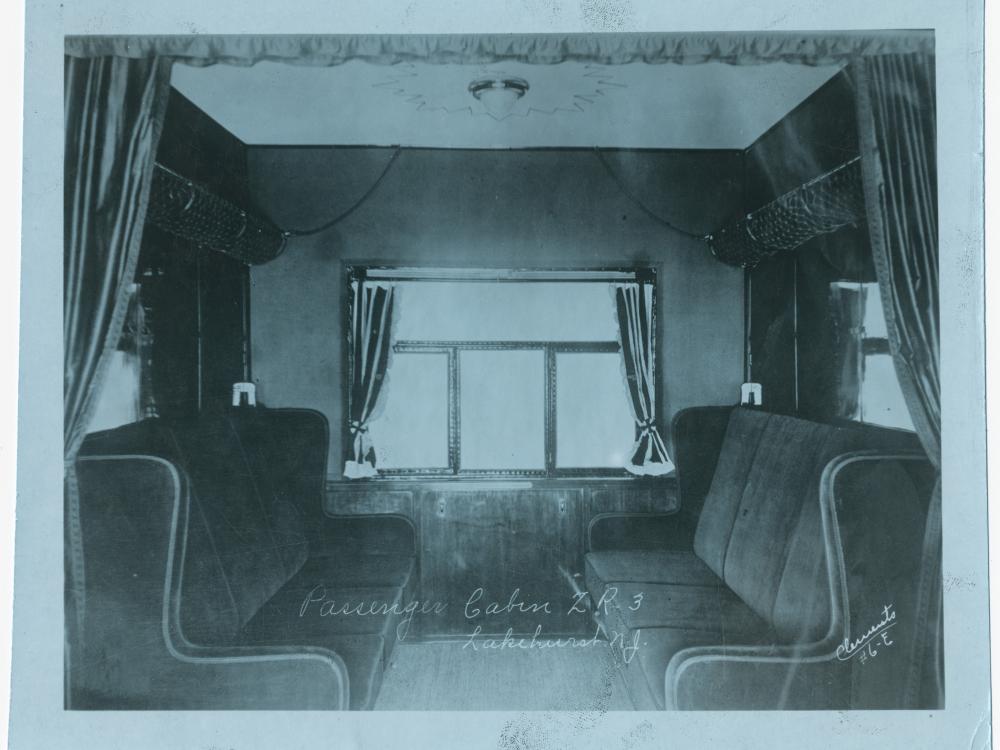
<point x="370" y="344"/>
<point x="113" y="110"/>
<point x="634" y="307"/>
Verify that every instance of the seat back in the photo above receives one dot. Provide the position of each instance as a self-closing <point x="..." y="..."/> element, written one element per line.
<point x="243" y="545"/>
<point x="287" y="450"/>
<point x="760" y="528"/>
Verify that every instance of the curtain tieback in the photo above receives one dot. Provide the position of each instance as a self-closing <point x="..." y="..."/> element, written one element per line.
<point x="647" y="426"/>
<point x="362" y="441"/>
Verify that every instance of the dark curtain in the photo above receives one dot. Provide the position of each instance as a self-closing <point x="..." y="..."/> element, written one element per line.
<point x="113" y="110"/>
<point x="634" y="305"/>
<point x="896" y="119"/>
<point x="370" y="344"/>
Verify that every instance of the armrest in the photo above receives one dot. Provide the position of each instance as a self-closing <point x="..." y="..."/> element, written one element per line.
<point x="260" y="678"/>
<point x="880" y="501"/>
<point x="749" y="678"/>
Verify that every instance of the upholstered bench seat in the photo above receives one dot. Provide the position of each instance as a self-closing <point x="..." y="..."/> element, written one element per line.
<point x="648" y="623"/>
<point x="251" y="546"/>
<point x="754" y="595"/>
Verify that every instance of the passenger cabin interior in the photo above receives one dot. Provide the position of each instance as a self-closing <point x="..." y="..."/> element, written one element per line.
<point x="566" y="372"/>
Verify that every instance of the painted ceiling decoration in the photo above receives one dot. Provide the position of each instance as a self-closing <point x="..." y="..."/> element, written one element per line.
<point x="502" y="91"/>
<point x="713" y="105"/>
<point x="680" y="90"/>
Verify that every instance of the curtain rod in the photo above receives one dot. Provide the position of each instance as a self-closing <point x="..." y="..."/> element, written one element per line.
<point x="498" y="275"/>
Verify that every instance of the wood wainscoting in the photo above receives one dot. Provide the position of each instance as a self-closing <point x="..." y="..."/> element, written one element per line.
<point x="498" y="553"/>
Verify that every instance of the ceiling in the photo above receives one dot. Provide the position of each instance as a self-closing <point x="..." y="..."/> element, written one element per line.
<point x="572" y="104"/>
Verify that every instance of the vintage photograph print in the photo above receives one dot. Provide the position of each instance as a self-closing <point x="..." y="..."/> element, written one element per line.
<point x="564" y="372"/>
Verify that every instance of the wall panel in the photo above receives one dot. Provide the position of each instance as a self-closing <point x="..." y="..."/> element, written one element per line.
<point x="523" y="209"/>
<point x="516" y="541"/>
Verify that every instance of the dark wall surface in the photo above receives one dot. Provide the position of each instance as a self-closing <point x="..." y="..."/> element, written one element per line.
<point x="793" y="289"/>
<point x="504" y="537"/>
<point x="195" y="297"/>
<point x="818" y="135"/>
<point x="522" y="209"/>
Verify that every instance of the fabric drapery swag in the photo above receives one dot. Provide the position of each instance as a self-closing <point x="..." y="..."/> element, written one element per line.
<point x="634" y="308"/>
<point x="113" y="110"/>
<point x="370" y="343"/>
<point x="896" y="118"/>
<point x="683" y="48"/>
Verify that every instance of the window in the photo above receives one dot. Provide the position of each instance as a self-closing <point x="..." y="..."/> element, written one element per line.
<point x="517" y="375"/>
<point x="879" y="400"/>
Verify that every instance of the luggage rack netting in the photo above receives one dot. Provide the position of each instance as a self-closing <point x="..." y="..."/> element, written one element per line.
<point x="824" y="204"/>
<point x="188" y="210"/>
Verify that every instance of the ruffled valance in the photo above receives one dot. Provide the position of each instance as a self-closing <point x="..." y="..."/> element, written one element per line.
<point x="808" y="48"/>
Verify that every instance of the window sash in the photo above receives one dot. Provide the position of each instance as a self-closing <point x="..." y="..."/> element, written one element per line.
<point x="550" y="349"/>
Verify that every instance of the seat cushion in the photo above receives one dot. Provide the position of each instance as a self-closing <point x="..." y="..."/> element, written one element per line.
<point x="359" y="623"/>
<point x="646" y="566"/>
<point x="307" y="608"/>
<point x="695" y="608"/>
<point x="368" y="593"/>
<point x="360" y="570"/>
<point x="363" y="535"/>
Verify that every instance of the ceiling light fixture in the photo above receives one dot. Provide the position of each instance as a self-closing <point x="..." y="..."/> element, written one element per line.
<point x="503" y="94"/>
<point x="498" y="95"/>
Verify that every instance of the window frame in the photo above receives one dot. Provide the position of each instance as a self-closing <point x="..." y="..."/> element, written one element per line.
<point x="356" y="271"/>
<point x="868" y="347"/>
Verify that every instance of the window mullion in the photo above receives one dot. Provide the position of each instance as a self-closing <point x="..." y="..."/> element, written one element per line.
<point x="454" y="415"/>
<point x="550" y="409"/>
